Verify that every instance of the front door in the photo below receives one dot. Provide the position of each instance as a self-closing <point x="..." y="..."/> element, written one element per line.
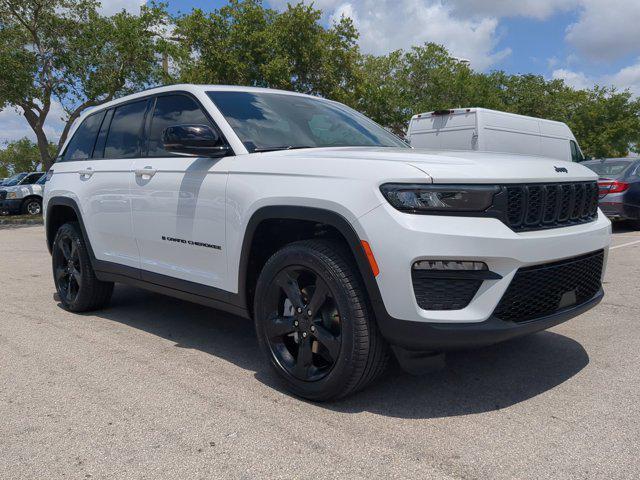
<point x="179" y="202"/>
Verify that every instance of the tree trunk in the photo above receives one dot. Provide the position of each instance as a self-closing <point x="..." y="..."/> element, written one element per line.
<point x="43" y="147"/>
<point x="37" y="125"/>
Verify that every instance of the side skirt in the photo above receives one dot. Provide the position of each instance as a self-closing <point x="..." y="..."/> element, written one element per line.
<point x="173" y="287"/>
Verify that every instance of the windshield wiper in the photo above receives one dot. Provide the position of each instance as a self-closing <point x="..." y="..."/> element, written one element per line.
<point x="283" y="147"/>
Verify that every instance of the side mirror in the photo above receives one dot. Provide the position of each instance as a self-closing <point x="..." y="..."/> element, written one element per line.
<point x="201" y="140"/>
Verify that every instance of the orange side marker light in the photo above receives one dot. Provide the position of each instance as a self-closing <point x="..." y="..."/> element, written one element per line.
<point x="370" y="257"/>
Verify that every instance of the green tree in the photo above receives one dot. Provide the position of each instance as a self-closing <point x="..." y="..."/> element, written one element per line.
<point x="396" y="86"/>
<point x="20" y="156"/>
<point x="244" y="43"/>
<point x="607" y="122"/>
<point x="65" y="51"/>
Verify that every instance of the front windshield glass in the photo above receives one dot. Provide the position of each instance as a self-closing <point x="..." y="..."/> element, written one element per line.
<point x="609" y="169"/>
<point x="274" y="121"/>
<point x="12" y="181"/>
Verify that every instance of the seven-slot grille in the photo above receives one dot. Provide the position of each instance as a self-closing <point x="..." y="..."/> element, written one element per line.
<point x="542" y="290"/>
<point x="538" y="206"/>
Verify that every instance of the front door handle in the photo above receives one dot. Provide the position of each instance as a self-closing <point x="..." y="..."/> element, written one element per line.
<point x="145" y="172"/>
<point x="87" y="172"/>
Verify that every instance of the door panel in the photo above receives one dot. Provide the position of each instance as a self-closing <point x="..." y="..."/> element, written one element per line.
<point x="103" y="186"/>
<point x="179" y="201"/>
<point x="179" y="217"/>
<point x="104" y="193"/>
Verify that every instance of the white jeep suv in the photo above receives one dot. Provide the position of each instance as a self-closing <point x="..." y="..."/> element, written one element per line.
<point x="337" y="238"/>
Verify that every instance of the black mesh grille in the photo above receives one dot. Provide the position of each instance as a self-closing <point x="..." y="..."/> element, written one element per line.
<point x="442" y="293"/>
<point x="541" y="290"/>
<point x="539" y="206"/>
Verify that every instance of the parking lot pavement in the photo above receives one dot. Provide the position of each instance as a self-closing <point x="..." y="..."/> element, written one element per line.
<point x="158" y="388"/>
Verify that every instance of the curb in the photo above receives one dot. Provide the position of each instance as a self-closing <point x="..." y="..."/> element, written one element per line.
<point x="20" y="220"/>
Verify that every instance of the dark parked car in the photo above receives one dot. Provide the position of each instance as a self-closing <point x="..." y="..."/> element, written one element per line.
<point x="619" y="184"/>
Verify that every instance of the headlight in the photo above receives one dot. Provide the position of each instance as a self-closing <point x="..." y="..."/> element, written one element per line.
<point x="12" y="195"/>
<point x="417" y="198"/>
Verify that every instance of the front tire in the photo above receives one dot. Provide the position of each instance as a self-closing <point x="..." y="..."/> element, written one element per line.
<point x="313" y="322"/>
<point x="78" y="288"/>
<point x="32" y="206"/>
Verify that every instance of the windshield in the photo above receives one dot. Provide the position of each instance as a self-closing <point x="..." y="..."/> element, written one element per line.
<point x="12" y="181"/>
<point x="609" y="169"/>
<point x="275" y="121"/>
<point x="42" y="180"/>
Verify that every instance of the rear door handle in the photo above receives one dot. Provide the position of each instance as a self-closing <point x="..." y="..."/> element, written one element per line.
<point x="146" y="171"/>
<point x="87" y="172"/>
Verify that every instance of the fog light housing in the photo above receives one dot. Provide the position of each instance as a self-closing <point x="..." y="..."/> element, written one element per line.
<point x="450" y="265"/>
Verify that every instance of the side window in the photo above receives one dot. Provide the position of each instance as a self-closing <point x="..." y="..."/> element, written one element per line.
<point x="124" y="137"/>
<point x="172" y="110"/>
<point x="576" y="154"/>
<point x="98" y="151"/>
<point x="33" y="178"/>
<point x="81" y="145"/>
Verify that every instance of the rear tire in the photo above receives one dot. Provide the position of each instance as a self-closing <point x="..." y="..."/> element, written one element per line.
<point x="32" y="206"/>
<point x="335" y="351"/>
<point x="78" y="288"/>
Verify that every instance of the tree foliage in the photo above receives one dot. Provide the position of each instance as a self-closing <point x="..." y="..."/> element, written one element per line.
<point x="65" y="51"/>
<point x="20" y="156"/>
<point x="244" y="43"/>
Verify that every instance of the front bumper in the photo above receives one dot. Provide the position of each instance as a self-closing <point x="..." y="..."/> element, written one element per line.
<point x="452" y="336"/>
<point x="398" y="240"/>
<point x="10" y="206"/>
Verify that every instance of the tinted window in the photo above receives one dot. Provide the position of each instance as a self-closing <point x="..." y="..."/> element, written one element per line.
<point x="123" y="139"/>
<point x="81" y="145"/>
<point x="576" y="154"/>
<point x="172" y="110"/>
<point x="273" y="120"/>
<point x="32" y="178"/>
<point x="98" y="151"/>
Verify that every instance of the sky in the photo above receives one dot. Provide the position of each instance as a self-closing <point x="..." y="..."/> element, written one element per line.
<point x="584" y="42"/>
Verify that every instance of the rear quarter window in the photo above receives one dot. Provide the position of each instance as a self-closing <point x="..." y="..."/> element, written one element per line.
<point x="81" y="145"/>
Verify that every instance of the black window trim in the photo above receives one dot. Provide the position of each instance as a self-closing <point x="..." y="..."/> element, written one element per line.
<point x="108" y="116"/>
<point x="141" y="131"/>
<point x="151" y="99"/>
<point x="60" y="157"/>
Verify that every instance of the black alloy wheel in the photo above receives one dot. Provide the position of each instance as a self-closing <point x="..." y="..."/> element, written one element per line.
<point x="67" y="269"/>
<point x="313" y="322"/>
<point x="303" y="328"/>
<point x="79" y="289"/>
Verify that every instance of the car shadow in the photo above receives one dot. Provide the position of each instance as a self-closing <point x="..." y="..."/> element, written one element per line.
<point x="473" y="381"/>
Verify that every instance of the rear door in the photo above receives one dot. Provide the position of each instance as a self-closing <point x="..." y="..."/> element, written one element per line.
<point x="179" y="202"/>
<point x="101" y="156"/>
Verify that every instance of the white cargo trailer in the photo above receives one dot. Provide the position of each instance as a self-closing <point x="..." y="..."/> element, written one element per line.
<point x="487" y="130"/>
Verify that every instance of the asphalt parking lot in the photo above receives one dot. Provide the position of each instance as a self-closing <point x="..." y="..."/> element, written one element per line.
<point x="159" y="388"/>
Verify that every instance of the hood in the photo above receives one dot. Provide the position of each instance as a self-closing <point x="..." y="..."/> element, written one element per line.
<point x="460" y="166"/>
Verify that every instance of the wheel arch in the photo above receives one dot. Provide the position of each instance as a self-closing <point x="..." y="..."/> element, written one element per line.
<point x="305" y="214"/>
<point x="61" y="210"/>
